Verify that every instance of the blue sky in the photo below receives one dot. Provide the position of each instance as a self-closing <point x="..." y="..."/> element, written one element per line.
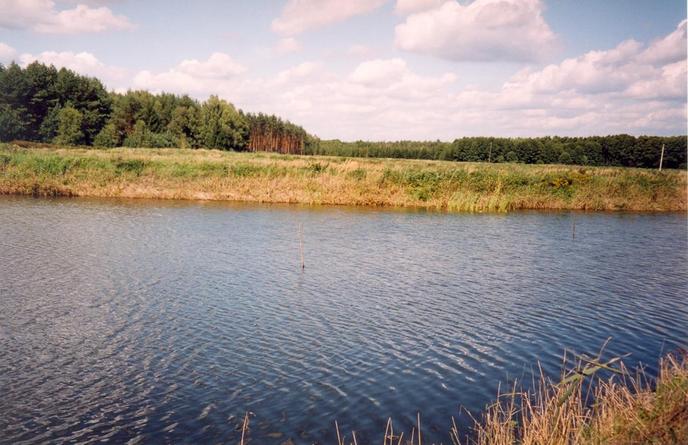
<point x="383" y="69"/>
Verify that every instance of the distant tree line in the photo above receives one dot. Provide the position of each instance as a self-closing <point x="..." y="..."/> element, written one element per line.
<point x="615" y="150"/>
<point x="46" y="104"/>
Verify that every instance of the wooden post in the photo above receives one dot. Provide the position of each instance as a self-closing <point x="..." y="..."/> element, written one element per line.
<point x="661" y="159"/>
<point x="303" y="264"/>
<point x="573" y="227"/>
<point x="489" y="154"/>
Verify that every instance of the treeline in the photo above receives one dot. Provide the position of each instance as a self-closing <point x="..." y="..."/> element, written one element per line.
<point x="616" y="150"/>
<point x="42" y="103"/>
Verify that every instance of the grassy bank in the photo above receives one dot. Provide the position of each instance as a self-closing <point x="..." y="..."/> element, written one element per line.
<point x="263" y="177"/>
<point x="625" y="409"/>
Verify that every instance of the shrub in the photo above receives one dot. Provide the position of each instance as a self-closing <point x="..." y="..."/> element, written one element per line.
<point x="565" y="158"/>
<point x="107" y="137"/>
<point x="69" y="127"/>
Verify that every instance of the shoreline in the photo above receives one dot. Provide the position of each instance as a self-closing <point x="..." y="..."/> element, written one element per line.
<point x="249" y="177"/>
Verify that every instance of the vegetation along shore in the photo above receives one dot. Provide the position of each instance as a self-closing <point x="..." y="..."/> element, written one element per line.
<point x="595" y="403"/>
<point x="85" y="122"/>
<point x="49" y="170"/>
<point x="43" y="104"/>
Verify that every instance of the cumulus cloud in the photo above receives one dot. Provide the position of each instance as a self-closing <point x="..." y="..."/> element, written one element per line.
<point x="41" y="16"/>
<point x="193" y="76"/>
<point x="484" y="30"/>
<point x="359" y="50"/>
<point x="631" y="88"/>
<point x="670" y="48"/>
<point x="410" y="6"/>
<point x="217" y="66"/>
<point x="82" y="62"/>
<point x="379" y="71"/>
<point x="287" y="45"/>
<point x="629" y="69"/>
<point x="301" y="15"/>
<point x="634" y="87"/>
<point x="378" y="98"/>
<point x="6" y="52"/>
<point x="300" y="72"/>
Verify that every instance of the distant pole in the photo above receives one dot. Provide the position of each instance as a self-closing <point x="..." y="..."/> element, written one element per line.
<point x="661" y="159"/>
<point x="573" y="227"/>
<point x="303" y="263"/>
<point x="489" y="154"/>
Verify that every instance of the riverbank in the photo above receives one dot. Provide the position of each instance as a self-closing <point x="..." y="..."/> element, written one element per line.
<point x="263" y="177"/>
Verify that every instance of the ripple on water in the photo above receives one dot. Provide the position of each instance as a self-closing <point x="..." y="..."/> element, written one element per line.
<point x="137" y="320"/>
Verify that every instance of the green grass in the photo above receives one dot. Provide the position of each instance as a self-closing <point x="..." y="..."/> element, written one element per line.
<point x="268" y="177"/>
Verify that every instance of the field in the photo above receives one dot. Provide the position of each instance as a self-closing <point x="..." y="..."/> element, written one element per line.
<point x="46" y="170"/>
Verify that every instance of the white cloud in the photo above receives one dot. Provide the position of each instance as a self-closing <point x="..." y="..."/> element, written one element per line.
<point x="24" y="13"/>
<point x="83" y="63"/>
<point x="219" y="65"/>
<point x="300" y="72"/>
<point x="629" y="69"/>
<point x="287" y="45"/>
<point x="193" y="76"/>
<point x="668" y="83"/>
<point x="669" y="49"/>
<point x="379" y="71"/>
<point x="410" y="6"/>
<point x="359" y="50"/>
<point x="484" y="30"/>
<point x="625" y="89"/>
<point x="619" y="90"/>
<point x="301" y="15"/>
<point x="6" y="52"/>
<point x="380" y="98"/>
<point x="41" y="16"/>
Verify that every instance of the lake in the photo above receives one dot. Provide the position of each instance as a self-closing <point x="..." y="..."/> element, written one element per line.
<point x="164" y="322"/>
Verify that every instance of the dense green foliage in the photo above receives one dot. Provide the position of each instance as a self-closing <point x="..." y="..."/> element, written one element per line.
<point x="42" y="103"/>
<point x="69" y="123"/>
<point x="617" y="150"/>
<point x="32" y="100"/>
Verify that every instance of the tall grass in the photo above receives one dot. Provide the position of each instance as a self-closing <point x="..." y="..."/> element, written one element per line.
<point x="263" y="177"/>
<point x="582" y="408"/>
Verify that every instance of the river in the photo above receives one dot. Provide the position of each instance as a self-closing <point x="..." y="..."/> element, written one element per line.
<point x="164" y="322"/>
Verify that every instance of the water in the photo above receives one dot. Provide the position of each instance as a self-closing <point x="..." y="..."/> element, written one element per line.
<point x="163" y="322"/>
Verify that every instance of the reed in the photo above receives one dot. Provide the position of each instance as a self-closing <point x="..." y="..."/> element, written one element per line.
<point x="265" y="177"/>
<point x="596" y="402"/>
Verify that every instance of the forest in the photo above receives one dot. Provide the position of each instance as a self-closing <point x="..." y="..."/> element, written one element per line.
<point x="45" y="104"/>
<point x="616" y="150"/>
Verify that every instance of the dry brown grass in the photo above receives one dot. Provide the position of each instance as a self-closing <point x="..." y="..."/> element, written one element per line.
<point x="262" y="177"/>
<point x="581" y="409"/>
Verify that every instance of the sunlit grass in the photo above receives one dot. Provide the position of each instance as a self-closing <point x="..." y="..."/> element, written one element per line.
<point x="581" y="409"/>
<point x="266" y="177"/>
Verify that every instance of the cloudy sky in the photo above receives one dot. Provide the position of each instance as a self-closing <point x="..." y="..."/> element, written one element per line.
<point x="383" y="69"/>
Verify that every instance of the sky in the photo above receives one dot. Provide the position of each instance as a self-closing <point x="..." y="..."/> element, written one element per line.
<point x="383" y="69"/>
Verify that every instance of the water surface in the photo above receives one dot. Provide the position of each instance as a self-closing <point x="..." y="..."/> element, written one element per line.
<point x="163" y="322"/>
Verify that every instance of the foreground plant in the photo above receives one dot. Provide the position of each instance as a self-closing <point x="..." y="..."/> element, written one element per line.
<point x="595" y="403"/>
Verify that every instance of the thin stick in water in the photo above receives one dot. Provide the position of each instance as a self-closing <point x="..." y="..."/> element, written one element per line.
<point x="573" y="227"/>
<point x="303" y="263"/>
